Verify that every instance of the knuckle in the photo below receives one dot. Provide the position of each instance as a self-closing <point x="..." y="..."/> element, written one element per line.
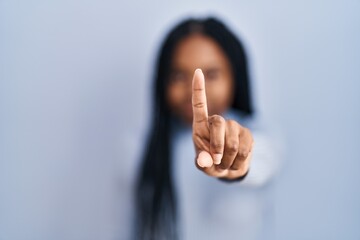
<point x="233" y="127"/>
<point x="217" y="145"/>
<point x="243" y="154"/>
<point x="216" y="119"/>
<point x="231" y="123"/>
<point x="232" y="147"/>
<point x="247" y="132"/>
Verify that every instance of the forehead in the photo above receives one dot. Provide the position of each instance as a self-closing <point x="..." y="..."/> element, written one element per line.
<point x="198" y="51"/>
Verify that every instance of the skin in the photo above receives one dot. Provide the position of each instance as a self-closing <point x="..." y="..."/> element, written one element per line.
<point x="223" y="147"/>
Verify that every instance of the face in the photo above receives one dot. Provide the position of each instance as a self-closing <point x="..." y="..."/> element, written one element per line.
<point x="199" y="51"/>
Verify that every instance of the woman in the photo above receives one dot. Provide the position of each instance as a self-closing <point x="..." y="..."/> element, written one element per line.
<point x="172" y="194"/>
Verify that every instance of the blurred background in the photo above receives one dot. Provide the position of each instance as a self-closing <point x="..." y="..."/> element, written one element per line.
<point x="75" y="82"/>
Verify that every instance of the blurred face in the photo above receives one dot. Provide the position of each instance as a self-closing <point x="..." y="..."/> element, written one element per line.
<point x="199" y="51"/>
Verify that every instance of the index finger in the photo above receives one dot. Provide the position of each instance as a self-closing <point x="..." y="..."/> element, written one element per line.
<point x="200" y="111"/>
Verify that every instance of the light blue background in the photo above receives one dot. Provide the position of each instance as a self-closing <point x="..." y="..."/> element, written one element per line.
<point x="74" y="105"/>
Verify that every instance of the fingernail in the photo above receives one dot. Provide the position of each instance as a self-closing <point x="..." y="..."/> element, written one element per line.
<point x="204" y="159"/>
<point x="217" y="158"/>
<point x="198" y="70"/>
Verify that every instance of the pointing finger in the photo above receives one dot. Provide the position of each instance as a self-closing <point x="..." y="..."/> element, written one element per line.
<point x="200" y="111"/>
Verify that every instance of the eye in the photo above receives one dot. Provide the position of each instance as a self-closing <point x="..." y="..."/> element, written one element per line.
<point x="177" y="76"/>
<point x="212" y="74"/>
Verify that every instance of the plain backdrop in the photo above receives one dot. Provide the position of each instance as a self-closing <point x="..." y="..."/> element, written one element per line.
<point x="75" y="82"/>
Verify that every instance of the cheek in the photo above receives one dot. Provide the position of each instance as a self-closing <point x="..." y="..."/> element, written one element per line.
<point x="173" y="96"/>
<point x="220" y="97"/>
<point x="170" y="97"/>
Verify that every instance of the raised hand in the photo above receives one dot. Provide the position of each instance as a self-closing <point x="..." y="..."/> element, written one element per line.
<point x="223" y="147"/>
